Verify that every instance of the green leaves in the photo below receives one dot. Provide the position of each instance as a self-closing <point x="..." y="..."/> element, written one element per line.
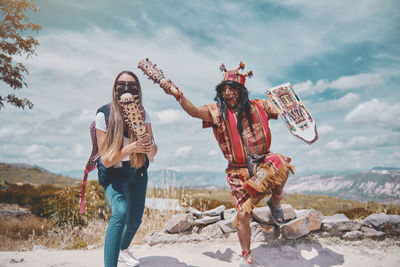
<point x="14" y="23"/>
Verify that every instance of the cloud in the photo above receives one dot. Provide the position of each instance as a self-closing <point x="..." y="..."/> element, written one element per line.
<point x="356" y="81"/>
<point x="325" y="129"/>
<point x="375" y="112"/>
<point x="79" y="57"/>
<point x="183" y="151"/>
<point x="346" y="101"/>
<point x="335" y="145"/>
<point x="170" y="115"/>
<point x="344" y="83"/>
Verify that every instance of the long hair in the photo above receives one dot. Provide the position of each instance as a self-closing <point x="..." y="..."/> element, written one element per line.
<point x="243" y="105"/>
<point x="113" y="142"/>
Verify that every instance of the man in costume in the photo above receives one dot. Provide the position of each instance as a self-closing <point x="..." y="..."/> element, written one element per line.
<point x="241" y="129"/>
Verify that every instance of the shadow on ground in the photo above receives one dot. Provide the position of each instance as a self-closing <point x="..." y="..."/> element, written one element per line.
<point x="305" y="255"/>
<point x="164" y="261"/>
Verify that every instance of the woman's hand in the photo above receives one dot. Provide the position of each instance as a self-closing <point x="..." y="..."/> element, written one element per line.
<point x="142" y="145"/>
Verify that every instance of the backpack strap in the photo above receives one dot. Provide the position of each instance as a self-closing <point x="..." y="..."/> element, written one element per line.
<point x="90" y="165"/>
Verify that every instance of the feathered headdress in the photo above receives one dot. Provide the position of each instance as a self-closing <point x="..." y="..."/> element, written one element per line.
<point x="234" y="75"/>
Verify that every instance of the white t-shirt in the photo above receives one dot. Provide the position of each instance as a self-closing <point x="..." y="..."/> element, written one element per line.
<point x="102" y="126"/>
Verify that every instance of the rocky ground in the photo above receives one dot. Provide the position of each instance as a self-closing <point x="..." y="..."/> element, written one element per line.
<point x="225" y="252"/>
<point x="208" y="238"/>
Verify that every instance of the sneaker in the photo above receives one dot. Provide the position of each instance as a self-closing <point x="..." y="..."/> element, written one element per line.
<point x="125" y="256"/>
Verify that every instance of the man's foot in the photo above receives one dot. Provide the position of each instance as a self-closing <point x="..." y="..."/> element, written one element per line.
<point x="247" y="259"/>
<point x="274" y="204"/>
<point x="127" y="257"/>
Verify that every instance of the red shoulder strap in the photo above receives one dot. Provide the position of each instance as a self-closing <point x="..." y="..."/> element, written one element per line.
<point x="237" y="146"/>
<point x="264" y="121"/>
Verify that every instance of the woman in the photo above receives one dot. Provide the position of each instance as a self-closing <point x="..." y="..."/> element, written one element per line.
<point x="124" y="185"/>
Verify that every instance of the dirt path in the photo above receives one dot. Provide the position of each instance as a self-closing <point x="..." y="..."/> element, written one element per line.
<point x="222" y="253"/>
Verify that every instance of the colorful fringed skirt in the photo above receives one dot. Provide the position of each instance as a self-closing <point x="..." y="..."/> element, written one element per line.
<point x="248" y="191"/>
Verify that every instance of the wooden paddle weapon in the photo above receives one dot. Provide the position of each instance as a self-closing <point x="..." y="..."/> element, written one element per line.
<point x="133" y="111"/>
<point x="157" y="75"/>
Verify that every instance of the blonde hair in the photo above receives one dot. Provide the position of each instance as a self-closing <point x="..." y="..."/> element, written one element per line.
<point x="113" y="142"/>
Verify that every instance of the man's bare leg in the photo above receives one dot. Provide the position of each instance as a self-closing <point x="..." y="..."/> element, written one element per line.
<point x="277" y="195"/>
<point x="244" y="232"/>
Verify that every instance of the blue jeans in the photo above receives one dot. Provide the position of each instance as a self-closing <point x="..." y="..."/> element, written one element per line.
<point x="126" y="192"/>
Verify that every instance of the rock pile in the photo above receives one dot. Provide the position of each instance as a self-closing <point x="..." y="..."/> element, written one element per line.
<point x="218" y="223"/>
<point x="13" y="210"/>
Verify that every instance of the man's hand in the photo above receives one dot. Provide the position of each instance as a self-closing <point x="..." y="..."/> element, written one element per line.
<point x="169" y="87"/>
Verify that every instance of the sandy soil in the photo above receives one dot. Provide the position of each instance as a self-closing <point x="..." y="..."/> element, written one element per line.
<point x="223" y="253"/>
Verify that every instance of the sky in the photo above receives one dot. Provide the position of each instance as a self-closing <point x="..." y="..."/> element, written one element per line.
<point x="342" y="57"/>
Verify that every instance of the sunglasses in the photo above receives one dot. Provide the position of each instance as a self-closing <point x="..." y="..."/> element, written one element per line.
<point x="127" y="87"/>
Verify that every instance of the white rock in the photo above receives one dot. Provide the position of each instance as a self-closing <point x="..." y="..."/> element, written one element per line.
<point x="340" y="217"/>
<point x="207" y="220"/>
<point x="229" y="213"/>
<point x="212" y="231"/>
<point x="215" y="212"/>
<point x="195" y="212"/>
<point x="227" y="225"/>
<point x="353" y="235"/>
<point x="263" y="214"/>
<point x="178" y="223"/>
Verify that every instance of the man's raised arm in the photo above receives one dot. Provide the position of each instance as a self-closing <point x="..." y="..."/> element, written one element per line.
<point x="201" y="112"/>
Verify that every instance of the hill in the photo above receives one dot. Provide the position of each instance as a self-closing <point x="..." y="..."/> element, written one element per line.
<point x="378" y="184"/>
<point x="34" y="175"/>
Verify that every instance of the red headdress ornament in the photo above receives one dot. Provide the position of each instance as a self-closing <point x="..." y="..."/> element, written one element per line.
<point x="234" y="75"/>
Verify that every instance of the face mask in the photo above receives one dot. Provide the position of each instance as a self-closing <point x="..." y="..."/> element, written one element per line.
<point x="131" y="88"/>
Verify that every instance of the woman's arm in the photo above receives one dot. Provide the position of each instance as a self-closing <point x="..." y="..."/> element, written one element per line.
<point x="201" y="112"/>
<point x="153" y="149"/>
<point x="140" y="146"/>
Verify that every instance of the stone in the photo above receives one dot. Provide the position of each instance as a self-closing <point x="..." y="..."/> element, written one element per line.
<point x="301" y="226"/>
<point x="207" y="220"/>
<point x="229" y="213"/>
<point x="337" y="229"/>
<point x="263" y="232"/>
<point x="190" y="238"/>
<point x="215" y="212"/>
<point x="384" y="222"/>
<point x="263" y="214"/>
<point x="196" y="229"/>
<point x="178" y="223"/>
<point x="163" y="238"/>
<point x="39" y="247"/>
<point x="15" y="213"/>
<point x="372" y="233"/>
<point x="353" y="235"/>
<point x="340" y="217"/>
<point x="227" y="225"/>
<point x="16" y="260"/>
<point x="195" y="212"/>
<point x="212" y="231"/>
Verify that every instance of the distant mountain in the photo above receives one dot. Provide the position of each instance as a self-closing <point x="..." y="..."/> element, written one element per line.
<point x="161" y="178"/>
<point x="28" y="174"/>
<point x="379" y="184"/>
<point x="170" y="177"/>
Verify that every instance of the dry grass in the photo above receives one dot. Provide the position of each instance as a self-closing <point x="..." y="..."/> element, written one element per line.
<point x="24" y="233"/>
<point x="354" y="210"/>
<point x="18" y="233"/>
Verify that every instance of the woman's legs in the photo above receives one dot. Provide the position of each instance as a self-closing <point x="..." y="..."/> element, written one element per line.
<point x="117" y="196"/>
<point x="136" y="188"/>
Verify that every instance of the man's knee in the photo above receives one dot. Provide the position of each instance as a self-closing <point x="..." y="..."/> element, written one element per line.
<point x="244" y="218"/>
